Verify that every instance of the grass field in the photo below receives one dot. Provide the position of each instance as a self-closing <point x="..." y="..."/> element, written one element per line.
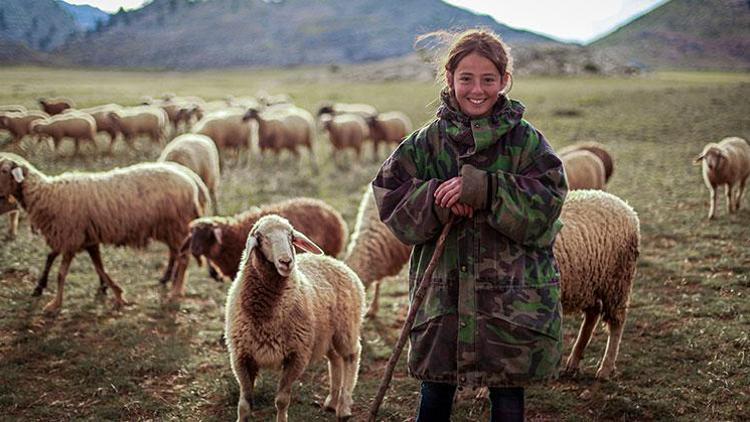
<point x="685" y="353"/>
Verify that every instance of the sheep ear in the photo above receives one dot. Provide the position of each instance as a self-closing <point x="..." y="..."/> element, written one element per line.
<point x="699" y="158"/>
<point x="217" y="234"/>
<point x="17" y="174"/>
<point x="252" y="242"/>
<point x="301" y="241"/>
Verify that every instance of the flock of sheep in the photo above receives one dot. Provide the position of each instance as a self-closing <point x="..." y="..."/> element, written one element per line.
<point x="284" y="310"/>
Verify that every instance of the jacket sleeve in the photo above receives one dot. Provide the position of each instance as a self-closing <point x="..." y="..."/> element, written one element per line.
<point x="525" y="206"/>
<point x="405" y="201"/>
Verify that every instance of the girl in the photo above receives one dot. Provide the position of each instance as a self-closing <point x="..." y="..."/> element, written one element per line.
<point x="492" y="314"/>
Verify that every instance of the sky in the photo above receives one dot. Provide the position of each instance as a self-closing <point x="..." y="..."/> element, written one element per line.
<point x="579" y="21"/>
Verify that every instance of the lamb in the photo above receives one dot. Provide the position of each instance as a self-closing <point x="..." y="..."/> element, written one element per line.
<point x="584" y="170"/>
<point x="388" y="128"/>
<point x="597" y="149"/>
<point x="346" y="131"/>
<point x="10" y="205"/>
<point x="199" y="154"/>
<point x="221" y="239"/>
<point x="18" y="123"/>
<point x="124" y="206"/>
<point x="287" y="311"/>
<point x="74" y="124"/>
<point x="374" y="252"/>
<point x="286" y="128"/>
<point x="227" y="128"/>
<point x="56" y="105"/>
<point x="725" y="163"/>
<point x="144" y="120"/>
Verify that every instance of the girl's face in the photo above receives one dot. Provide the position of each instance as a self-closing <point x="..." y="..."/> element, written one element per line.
<point x="476" y="83"/>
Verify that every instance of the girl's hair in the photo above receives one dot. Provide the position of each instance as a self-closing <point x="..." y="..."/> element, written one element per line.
<point x="481" y="41"/>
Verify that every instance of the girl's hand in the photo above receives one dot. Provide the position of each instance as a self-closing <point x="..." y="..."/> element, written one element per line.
<point x="448" y="193"/>
<point x="462" y="210"/>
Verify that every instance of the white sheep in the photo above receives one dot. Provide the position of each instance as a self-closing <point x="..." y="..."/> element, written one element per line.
<point x="124" y="206"/>
<point x="388" y="128"/>
<point x="199" y="154"/>
<point x="584" y="170"/>
<point x="286" y="311"/>
<point x="597" y="149"/>
<point x="143" y="120"/>
<point x="227" y="129"/>
<point x="364" y="110"/>
<point x="725" y="163"/>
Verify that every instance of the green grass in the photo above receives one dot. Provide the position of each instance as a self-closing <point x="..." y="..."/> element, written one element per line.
<point x="685" y="353"/>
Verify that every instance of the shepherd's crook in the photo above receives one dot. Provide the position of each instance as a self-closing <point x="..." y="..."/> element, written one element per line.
<point x="415" y="305"/>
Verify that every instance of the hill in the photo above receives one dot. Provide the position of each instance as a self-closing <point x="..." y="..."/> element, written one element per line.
<point x="85" y="16"/>
<point x="182" y="34"/>
<point x="39" y="24"/>
<point x="686" y="34"/>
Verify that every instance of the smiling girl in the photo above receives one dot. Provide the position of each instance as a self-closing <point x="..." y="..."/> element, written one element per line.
<point x="492" y="314"/>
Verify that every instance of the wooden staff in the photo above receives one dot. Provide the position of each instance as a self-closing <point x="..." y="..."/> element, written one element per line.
<point x="415" y="304"/>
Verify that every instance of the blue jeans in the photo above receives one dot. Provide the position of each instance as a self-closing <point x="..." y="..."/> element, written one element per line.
<point x="436" y="403"/>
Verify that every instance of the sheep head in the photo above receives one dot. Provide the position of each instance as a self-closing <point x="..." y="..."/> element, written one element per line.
<point x="711" y="157"/>
<point x="13" y="172"/>
<point x="250" y="114"/>
<point x="205" y="238"/>
<point x="275" y="239"/>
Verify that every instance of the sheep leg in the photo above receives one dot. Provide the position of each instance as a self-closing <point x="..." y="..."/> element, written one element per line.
<point x="96" y="258"/>
<point x="713" y="200"/>
<point x="168" y="272"/>
<point x="613" y="347"/>
<point x="335" y="372"/>
<point x="214" y="202"/>
<point x="13" y="217"/>
<point x="372" y="312"/>
<point x="178" y="279"/>
<point x="740" y="193"/>
<point x="351" y="368"/>
<point x="42" y="283"/>
<point x="292" y="369"/>
<point x="54" y="305"/>
<point x="728" y="193"/>
<point x="245" y="370"/>
<point x="590" y="318"/>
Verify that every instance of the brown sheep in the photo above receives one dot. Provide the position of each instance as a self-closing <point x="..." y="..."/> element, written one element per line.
<point x="284" y="129"/>
<point x="599" y="150"/>
<point x="346" y="131"/>
<point x="227" y="129"/>
<point x="364" y="110"/>
<point x="584" y="170"/>
<point x="73" y="124"/>
<point x="104" y="122"/>
<point x="726" y="163"/>
<point x="18" y="123"/>
<point x="144" y="120"/>
<point x="124" y="206"/>
<point x="56" y="105"/>
<point x="222" y="239"/>
<point x="388" y="128"/>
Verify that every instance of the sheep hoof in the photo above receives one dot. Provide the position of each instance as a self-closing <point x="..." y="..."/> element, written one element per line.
<point x="37" y="291"/>
<point x="604" y="373"/>
<point x="51" y="308"/>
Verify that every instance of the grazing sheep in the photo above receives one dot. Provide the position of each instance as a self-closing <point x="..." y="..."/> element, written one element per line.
<point x="726" y="163"/>
<point x="228" y="130"/>
<point x="286" y="128"/>
<point x="9" y="205"/>
<point x="584" y="170"/>
<point x="373" y="251"/>
<point x="104" y="121"/>
<point x="124" y="206"/>
<point x="18" y="123"/>
<point x="388" y="128"/>
<point x="143" y="120"/>
<point x="221" y="239"/>
<point x="346" y="131"/>
<point x="599" y="150"/>
<point x="597" y="252"/>
<point x="285" y="311"/>
<point x="199" y="154"/>
<point x="364" y="110"/>
<point x="56" y="105"/>
<point x="73" y="124"/>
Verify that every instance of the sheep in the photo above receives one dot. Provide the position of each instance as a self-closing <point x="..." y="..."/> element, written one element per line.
<point x="10" y="205"/>
<point x="388" y="128"/>
<point x="199" y="154"/>
<point x="124" y="207"/>
<point x="104" y="121"/>
<point x="227" y="128"/>
<point x="725" y="163"/>
<point x="143" y="120"/>
<point x="13" y="108"/>
<point x="584" y="170"/>
<point x="346" y="131"/>
<point x="364" y="110"/>
<point x="178" y="109"/>
<point x="221" y="239"/>
<point x="599" y="150"/>
<point x="18" y="123"/>
<point x="56" y="105"/>
<point x="286" y="128"/>
<point x="73" y="124"/>
<point x="373" y="251"/>
<point x="286" y="311"/>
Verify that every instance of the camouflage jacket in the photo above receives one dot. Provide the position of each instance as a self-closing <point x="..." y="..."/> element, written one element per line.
<point x="492" y="314"/>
